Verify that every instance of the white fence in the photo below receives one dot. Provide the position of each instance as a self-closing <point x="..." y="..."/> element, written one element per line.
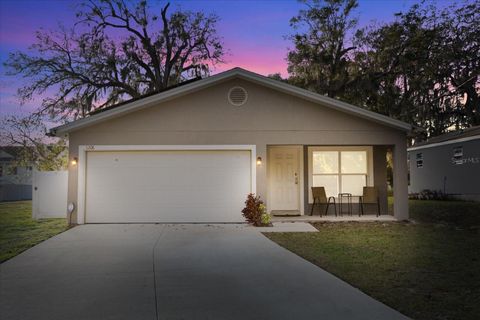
<point x="49" y="194"/>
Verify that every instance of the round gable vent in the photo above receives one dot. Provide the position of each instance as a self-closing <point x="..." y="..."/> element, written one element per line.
<point x="237" y="96"/>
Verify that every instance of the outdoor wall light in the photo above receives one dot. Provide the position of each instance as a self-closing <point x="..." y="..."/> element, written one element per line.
<point x="71" y="207"/>
<point x="259" y="161"/>
<point x="74" y="161"/>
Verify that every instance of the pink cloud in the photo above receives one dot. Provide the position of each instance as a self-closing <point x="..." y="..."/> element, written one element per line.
<point x="261" y="67"/>
<point x="263" y="60"/>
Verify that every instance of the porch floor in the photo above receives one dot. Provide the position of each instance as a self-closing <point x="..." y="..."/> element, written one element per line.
<point x="332" y="218"/>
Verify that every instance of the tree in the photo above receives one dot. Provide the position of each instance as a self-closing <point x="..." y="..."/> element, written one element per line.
<point x="422" y="68"/>
<point x="115" y="51"/>
<point x="397" y="68"/>
<point x="277" y="76"/>
<point x="320" y="60"/>
<point x="29" y="133"/>
<point x="460" y="59"/>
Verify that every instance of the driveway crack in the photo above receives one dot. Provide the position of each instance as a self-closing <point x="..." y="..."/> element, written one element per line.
<point x="153" y="269"/>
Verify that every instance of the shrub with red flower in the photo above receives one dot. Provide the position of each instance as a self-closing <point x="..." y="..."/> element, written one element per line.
<point x="255" y="211"/>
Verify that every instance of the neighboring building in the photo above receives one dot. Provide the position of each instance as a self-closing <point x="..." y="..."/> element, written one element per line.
<point x="193" y="152"/>
<point x="15" y="181"/>
<point x="449" y="163"/>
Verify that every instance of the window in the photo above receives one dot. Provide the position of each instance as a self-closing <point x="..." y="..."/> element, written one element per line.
<point x="458" y="152"/>
<point x="325" y="170"/>
<point x="339" y="171"/>
<point x="458" y="155"/>
<point x="419" y="158"/>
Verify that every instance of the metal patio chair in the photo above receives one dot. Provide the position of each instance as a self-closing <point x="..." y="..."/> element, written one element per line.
<point x="370" y="196"/>
<point x="320" y="198"/>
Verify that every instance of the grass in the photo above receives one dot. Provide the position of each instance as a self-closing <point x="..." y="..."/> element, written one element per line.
<point x="426" y="270"/>
<point x="463" y="214"/>
<point x="18" y="231"/>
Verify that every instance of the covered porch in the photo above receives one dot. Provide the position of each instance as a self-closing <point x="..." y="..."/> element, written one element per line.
<point x="342" y="172"/>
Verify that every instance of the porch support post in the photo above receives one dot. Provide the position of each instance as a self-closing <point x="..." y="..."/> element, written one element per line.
<point x="400" y="180"/>
<point x="380" y="176"/>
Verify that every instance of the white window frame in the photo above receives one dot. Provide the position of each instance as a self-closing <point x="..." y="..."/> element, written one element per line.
<point x="419" y="159"/>
<point x="458" y="152"/>
<point x="369" y="175"/>
<point x="457" y="157"/>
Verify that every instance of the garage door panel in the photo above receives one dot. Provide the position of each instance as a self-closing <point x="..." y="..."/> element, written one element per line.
<point x="154" y="178"/>
<point x="167" y="186"/>
<point x="207" y="198"/>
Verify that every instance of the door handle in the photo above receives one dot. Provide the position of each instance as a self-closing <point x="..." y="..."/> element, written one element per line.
<point x="296" y="178"/>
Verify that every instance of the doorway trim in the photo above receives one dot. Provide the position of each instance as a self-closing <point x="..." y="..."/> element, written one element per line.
<point x="301" y="175"/>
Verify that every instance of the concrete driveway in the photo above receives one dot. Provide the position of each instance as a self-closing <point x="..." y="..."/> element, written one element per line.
<point x="174" y="272"/>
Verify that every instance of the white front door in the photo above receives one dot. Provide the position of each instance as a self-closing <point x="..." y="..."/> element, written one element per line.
<point x="284" y="179"/>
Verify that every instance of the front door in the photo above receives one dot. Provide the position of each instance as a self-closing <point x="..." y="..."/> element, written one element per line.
<point x="284" y="179"/>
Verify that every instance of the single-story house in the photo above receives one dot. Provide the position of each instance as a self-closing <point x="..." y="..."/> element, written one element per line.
<point x="193" y="152"/>
<point x="449" y="163"/>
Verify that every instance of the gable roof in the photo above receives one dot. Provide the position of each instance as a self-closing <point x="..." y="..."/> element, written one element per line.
<point x="143" y="96"/>
<point x="461" y="135"/>
<point x="239" y="73"/>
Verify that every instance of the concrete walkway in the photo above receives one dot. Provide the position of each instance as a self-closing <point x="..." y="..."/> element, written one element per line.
<point x="332" y="218"/>
<point x="287" y="227"/>
<point x="174" y="272"/>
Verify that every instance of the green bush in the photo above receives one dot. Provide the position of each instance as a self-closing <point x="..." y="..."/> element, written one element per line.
<point x="429" y="195"/>
<point x="266" y="219"/>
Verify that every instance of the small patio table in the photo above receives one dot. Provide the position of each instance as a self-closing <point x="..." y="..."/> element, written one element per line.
<point x="345" y="198"/>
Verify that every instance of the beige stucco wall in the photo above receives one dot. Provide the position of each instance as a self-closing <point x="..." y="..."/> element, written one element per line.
<point x="206" y="118"/>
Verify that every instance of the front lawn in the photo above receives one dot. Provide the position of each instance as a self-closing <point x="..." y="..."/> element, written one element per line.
<point x="462" y="214"/>
<point x="18" y="231"/>
<point x="424" y="270"/>
<point x="456" y="213"/>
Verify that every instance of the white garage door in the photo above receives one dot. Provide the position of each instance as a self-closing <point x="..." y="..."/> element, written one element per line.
<point x="166" y="186"/>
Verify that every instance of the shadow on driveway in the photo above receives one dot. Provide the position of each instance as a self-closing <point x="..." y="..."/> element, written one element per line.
<point x="201" y="272"/>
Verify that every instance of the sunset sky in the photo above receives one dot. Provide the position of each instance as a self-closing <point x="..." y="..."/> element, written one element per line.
<point x="253" y="32"/>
